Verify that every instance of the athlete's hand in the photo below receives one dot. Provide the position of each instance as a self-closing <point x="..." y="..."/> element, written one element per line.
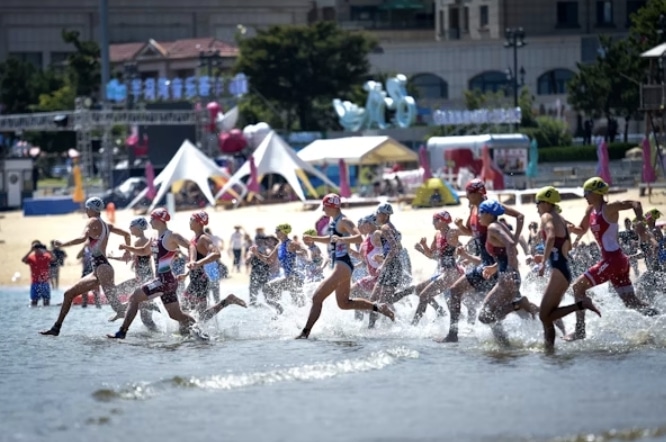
<point x="542" y="269"/>
<point x="57" y="243"/>
<point x="127" y="256"/>
<point x="489" y="271"/>
<point x="193" y="265"/>
<point x="459" y="222"/>
<point x="122" y="247"/>
<point x="335" y="239"/>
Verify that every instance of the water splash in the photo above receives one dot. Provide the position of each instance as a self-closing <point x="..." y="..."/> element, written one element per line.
<point x="630" y="434"/>
<point x="311" y="372"/>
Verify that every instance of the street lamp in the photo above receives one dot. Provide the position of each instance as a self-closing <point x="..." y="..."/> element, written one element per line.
<point x="515" y="39"/>
<point x="515" y="83"/>
<point x="130" y="71"/>
<point x="211" y="59"/>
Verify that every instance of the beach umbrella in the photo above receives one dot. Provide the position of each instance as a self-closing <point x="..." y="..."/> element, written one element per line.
<point x="424" y="163"/>
<point x="345" y="191"/>
<point x="150" y="181"/>
<point x="649" y="175"/>
<point x="603" y="165"/>
<point x="79" y="195"/>
<point x="533" y="164"/>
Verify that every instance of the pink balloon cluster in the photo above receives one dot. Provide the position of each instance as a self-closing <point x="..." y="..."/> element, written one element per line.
<point x="232" y="142"/>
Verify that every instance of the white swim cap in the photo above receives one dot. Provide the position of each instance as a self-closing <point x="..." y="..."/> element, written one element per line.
<point x="95" y="204"/>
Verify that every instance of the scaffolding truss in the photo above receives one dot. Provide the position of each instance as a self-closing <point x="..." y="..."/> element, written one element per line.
<point x="85" y="121"/>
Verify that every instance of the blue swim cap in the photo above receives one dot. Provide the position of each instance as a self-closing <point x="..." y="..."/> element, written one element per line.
<point x="492" y="207"/>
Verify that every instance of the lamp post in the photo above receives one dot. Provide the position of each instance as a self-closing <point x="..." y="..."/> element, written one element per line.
<point x="130" y="72"/>
<point x="515" y="81"/>
<point x="211" y="59"/>
<point x="515" y="40"/>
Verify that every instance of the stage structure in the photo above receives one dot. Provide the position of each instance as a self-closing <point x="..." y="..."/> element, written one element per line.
<point x="84" y="121"/>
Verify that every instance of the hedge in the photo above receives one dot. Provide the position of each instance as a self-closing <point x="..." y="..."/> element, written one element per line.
<point x="616" y="151"/>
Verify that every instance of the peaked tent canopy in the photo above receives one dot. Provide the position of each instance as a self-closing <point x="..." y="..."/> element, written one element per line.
<point x="357" y="150"/>
<point x="275" y="156"/>
<point x="189" y="163"/>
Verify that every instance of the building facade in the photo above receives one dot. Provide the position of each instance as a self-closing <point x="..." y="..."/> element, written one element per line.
<point x="444" y="46"/>
<point x="31" y="29"/>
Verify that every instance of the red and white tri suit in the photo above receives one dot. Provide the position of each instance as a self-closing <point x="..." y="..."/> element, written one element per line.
<point x="614" y="265"/>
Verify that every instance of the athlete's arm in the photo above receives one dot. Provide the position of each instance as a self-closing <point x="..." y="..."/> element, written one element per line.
<point x="354" y="237"/>
<point x="584" y="225"/>
<point x="452" y="238"/>
<point x="213" y="254"/>
<point x="549" y="228"/>
<point x="465" y="255"/>
<point x="81" y="239"/>
<point x="616" y="207"/>
<point x="143" y="250"/>
<point x="463" y="227"/>
<point x="520" y="221"/>
<point x="500" y="235"/>
<point x="120" y="232"/>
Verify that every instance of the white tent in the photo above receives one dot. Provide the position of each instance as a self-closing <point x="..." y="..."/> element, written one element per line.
<point x="189" y="163"/>
<point x="274" y="155"/>
<point x="357" y="150"/>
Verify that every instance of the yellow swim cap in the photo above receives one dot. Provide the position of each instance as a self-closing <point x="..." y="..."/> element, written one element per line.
<point x="310" y="232"/>
<point x="596" y="185"/>
<point x="284" y="228"/>
<point x="548" y="194"/>
<point x="654" y="214"/>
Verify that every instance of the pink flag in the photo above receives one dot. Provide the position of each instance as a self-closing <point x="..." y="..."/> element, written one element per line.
<point x="424" y="163"/>
<point x="603" y="167"/>
<point x="150" y="180"/>
<point x="649" y="175"/>
<point x="345" y="191"/>
<point x="253" y="184"/>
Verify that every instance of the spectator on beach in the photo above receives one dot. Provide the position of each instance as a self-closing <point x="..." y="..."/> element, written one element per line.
<point x="236" y="244"/>
<point x="39" y="259"/>
<point x="58" y="261"/>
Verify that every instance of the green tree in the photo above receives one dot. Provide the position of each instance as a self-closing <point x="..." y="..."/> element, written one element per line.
<point x="20" y="85"/>
<point x="83" y="65"/>
<point x="299" y="70"/>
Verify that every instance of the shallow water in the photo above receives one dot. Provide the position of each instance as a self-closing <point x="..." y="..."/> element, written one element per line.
<point x="254" y="382"/>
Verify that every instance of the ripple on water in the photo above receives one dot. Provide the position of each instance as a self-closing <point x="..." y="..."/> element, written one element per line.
<point x="310" y="372"/>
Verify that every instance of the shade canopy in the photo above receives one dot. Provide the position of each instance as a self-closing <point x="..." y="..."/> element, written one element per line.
<point x="357" y="150"/>
<point x="274" y="155"/>
<point x="189" y="163"/>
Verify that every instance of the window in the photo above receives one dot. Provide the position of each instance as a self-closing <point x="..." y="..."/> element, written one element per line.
<point x="34" y="58"/>
<point x="567" y="14"/>
<point x="632" y="7"/>
<point x="491" y="81"/>
<point x="604" y="13"/>
<point x="465" y="19"/>
<point x="483" y="16"/>
<point x="363" y="13"/>
<point x="430" y="86"/>
<point x="554" y="82"/>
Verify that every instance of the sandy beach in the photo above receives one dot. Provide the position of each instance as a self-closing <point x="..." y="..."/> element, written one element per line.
<point x="17" y="231"/>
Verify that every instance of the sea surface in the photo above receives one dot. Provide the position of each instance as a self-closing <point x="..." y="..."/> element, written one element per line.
<point x="254" y="382"/>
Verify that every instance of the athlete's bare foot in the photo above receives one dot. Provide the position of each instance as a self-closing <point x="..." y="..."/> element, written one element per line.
<point x="50" y="332"/>
<point x="573" y="337"/>
<point x="451" y="337"/>
<point x="233" y="299"/>
<point x="385" y="310"/>
<point x="118" y="315"/>
<point x="304" y="334"/>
